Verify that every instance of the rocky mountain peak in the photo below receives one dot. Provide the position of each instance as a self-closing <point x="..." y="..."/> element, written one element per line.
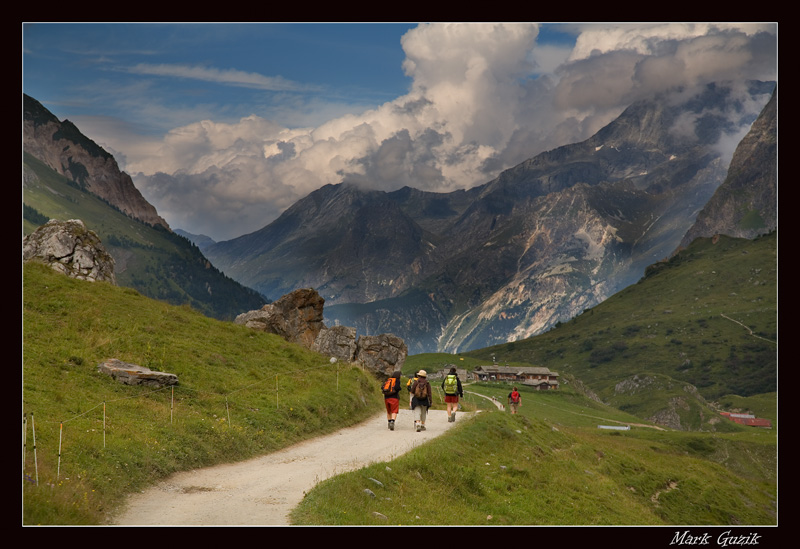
<point x="62" y="147"/>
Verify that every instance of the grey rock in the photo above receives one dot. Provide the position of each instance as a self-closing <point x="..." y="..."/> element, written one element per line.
<point x="382" y="354"/>
<point x="70" y="248"/>
<point x="132" y="374"/>
<point x="297" y="317"/>
<point x="337" y="341"/>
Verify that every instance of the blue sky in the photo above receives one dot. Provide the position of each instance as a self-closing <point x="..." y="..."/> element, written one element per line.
<point x="223" y="126"/>
<point x="232" y="70"/>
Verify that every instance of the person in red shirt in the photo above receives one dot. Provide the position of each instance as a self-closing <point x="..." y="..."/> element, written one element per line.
<point x="514" y="400"/>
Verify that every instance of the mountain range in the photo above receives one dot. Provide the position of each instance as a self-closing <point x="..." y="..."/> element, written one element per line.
<point x="536" y="246"/>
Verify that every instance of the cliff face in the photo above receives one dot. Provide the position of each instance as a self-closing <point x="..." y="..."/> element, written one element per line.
<point x="746" y="204"/>
<point x="62" y="147"/>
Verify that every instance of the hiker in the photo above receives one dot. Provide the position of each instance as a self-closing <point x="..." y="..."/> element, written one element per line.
<point x="514" y="400"/>
<point x="391" y="397"/>
<point x="451" y="386"/>
<point x="410" y="394"/>
<point x="421" y="400"/>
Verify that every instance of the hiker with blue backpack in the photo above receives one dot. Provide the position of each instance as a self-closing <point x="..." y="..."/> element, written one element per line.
<point x="391" y="396"/>
<point x="451" y="386"/>
<point x="421" y="400"/>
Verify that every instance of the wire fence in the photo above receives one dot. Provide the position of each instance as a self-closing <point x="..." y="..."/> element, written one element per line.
<point x="33" y="476"/>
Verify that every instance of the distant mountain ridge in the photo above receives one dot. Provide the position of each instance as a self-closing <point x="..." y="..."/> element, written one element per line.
<point x="200" y="240"/>
<point x="543" y="241"/>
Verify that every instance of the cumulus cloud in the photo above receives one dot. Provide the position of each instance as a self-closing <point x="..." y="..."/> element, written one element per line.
<point x="483" y="98"/>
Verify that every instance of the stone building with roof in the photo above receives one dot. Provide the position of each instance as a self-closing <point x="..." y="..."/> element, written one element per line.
<point x="537" y="377"/>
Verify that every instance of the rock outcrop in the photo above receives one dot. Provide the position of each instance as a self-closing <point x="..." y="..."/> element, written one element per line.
<point x="298" y="318"/>
<point x="132" y="374"/>
<point x="70" y="248"/>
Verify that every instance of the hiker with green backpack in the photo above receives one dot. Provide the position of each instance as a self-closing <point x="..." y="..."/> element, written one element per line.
<point x="421" y="400"/>
<point x="451" y="386"/>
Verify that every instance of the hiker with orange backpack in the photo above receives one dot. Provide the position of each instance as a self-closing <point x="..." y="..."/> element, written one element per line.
<point x="391" y="397"/>
<point x="421" y="400"/>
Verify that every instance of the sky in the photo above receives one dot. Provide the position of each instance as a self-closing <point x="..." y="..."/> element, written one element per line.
<point x="224" y="126"/>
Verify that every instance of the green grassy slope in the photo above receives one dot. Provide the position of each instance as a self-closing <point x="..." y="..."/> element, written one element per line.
<point x="241" y="393"/>
<point x="552" y="465"/>
<point x="705" y="319"/>
<point x="155" y="262"/>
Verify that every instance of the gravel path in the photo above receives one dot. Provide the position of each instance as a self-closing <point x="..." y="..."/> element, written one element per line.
<point x="262" y="491"/>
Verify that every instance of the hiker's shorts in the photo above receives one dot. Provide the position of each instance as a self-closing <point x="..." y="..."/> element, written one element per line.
<point x="451" y="398"/>
<point x="392" y="405"/>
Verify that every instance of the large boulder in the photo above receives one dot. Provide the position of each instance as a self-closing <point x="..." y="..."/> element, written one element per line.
<point x="338" y="342"/>
<point x="297" y="317"/>
<point x="70" y="248"/>
<point x="381" y="354"/>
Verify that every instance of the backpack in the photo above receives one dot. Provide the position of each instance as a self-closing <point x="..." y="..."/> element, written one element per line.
<point x="389" y="386"/>
<point x="421" y="391"/>
<point x="450" y="385"/>
<point x="515" y="397"/>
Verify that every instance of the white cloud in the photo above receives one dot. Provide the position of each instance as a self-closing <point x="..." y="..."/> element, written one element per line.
<point x="483" y="98"/>
<point x="229" y="77"/>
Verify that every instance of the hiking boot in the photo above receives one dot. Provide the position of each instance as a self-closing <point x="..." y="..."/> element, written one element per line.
<point x="391" y="425"/>
<point x="453" y="416"/>
<point x="421" y="427"/>
<point x="417" y="427"/>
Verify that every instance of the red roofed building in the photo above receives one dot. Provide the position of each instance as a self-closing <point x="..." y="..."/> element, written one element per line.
<point x="747" y="419"/>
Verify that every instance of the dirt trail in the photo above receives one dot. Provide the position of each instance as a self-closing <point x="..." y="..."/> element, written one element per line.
<point x="263" y="491"/>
